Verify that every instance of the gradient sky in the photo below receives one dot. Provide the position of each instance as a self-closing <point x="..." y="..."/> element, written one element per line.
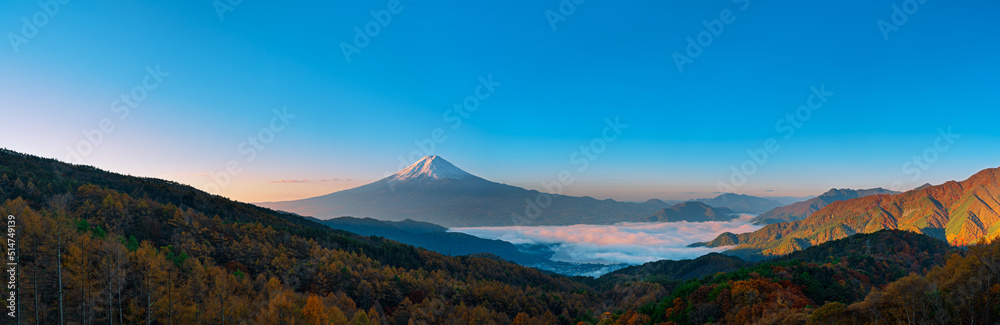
<point x="354" y="120"/>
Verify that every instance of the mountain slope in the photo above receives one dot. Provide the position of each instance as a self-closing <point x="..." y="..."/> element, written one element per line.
<point x="666" y="270"/>
<point x="786" y="200"/>
<point x="432" y="237"/>
<point x="788" y="289"/>
<point x="959" y="212"/>
<point x="429" y="168"/>
<point x="801" y="210"/>
<point x="433" y="190"/>
<point x="692" y="212"/>
<point x="741" y="203"/>
<point x="897" y="249"/>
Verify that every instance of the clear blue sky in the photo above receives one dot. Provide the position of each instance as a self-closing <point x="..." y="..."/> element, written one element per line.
<point x="938" y="69"/>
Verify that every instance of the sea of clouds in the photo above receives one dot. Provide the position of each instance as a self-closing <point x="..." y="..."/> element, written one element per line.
<point x="631" y="243"/>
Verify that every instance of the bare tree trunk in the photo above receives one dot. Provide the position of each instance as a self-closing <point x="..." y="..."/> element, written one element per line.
<point x="112" y="273"/>
<point x="119" y="285"/>
<point x="149" y="306"/>
<point x="59" y="269"/>
<point x="222" y="300"/>
<point x="88" y="305"/>
<point x="111" y="304"/>
<point x="83" y="305"/>
<point x="34" y="288"/>
<point x="170" y="306"/>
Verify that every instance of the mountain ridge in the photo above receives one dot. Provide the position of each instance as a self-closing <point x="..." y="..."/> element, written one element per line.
<point x="436" y="191"/>
<point x="741" y="203"/>
<point x="959" y="212"/>
<point x="693" y="211"/>
<point x="429" y="168"/>
<point x="801" y="210"/>
<point x="465" y="201"/>
<point x="431" y="237"/>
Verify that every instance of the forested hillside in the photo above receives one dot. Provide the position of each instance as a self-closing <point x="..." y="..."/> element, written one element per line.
<point x="888" y="277"/>
<point x="97" y="247"/>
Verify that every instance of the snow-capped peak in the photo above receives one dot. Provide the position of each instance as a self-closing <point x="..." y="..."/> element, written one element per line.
<point x="430" y="168"/>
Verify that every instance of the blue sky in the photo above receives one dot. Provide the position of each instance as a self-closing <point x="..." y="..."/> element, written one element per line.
<point x="223" y="77"/>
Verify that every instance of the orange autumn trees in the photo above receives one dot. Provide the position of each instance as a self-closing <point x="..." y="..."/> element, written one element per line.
<point x="965" y="290"/>
<point x="108" y="278"/>
<point x="731" y="302"/>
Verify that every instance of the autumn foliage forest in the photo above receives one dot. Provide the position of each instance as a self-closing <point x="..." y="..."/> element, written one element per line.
<point x="95" y="247"/>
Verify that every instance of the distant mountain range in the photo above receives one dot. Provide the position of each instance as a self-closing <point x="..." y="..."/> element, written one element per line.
<point x="433" y="237"/>
<point x="801" y="210"/>
<point x="433" y="190"/>
<point x="960" y="213"/>
<point x="741" y="203"/>
<point x="692" y="212"/>
<point x="786" y="200"/>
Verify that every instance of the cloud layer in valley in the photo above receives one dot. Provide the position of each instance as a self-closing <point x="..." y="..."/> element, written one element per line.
<point x="632" y="243"/>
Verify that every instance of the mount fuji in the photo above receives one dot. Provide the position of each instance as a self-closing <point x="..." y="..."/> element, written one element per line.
<point x="433" y="190"/>
<point x="430" y="168"/>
